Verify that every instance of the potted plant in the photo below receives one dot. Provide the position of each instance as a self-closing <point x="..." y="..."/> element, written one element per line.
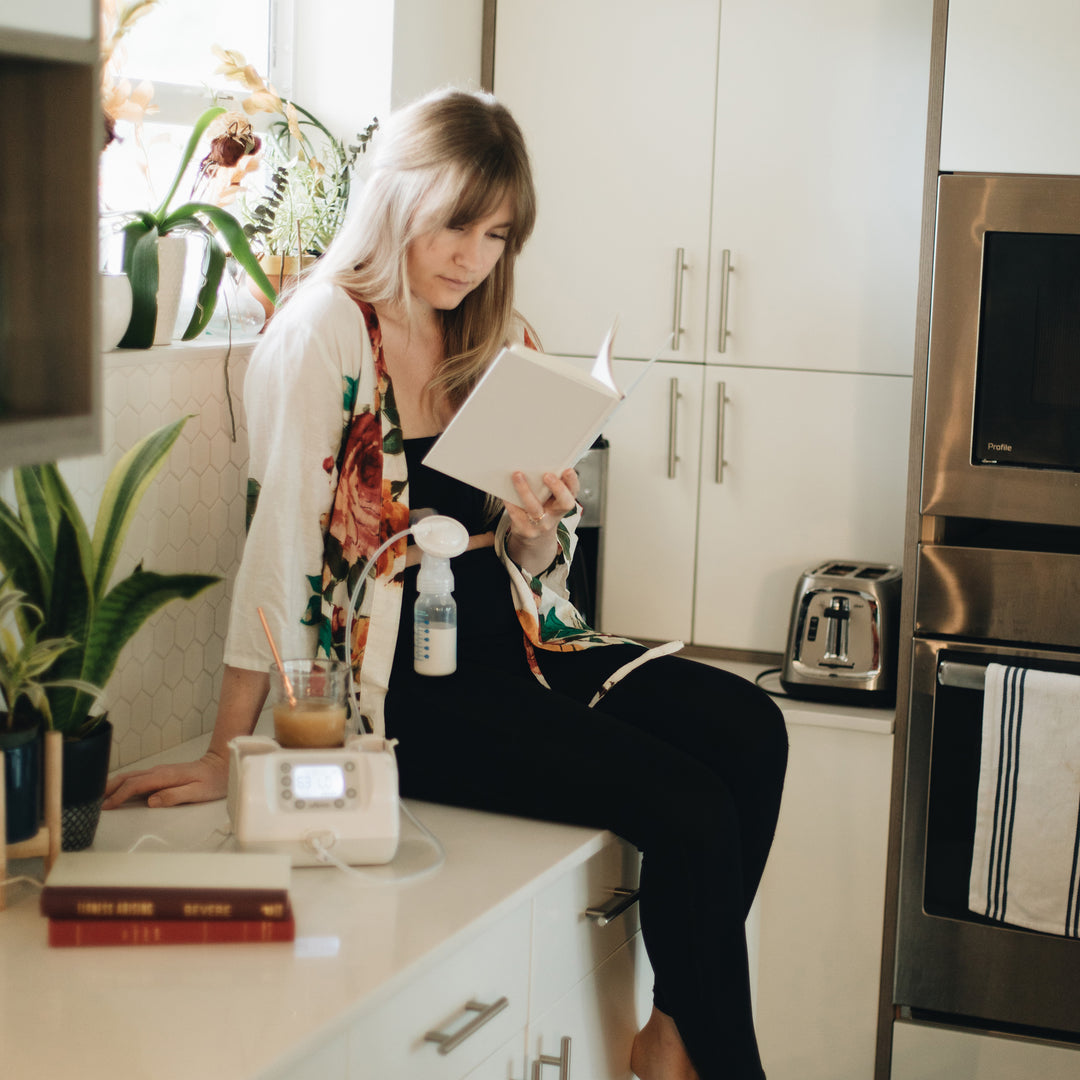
<point x="142" y="233"/>
<point x="306" y="196"/>
<point x="24" y="661"/>
<point x="65" y="572"/>
<point x="231" y="140"/>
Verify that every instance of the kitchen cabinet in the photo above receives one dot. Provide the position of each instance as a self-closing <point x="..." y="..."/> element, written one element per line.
<point x="542" y="973"/>
<point x="798" y="231"/>
<point x="1011" y="100"/>
<point x="52" y="130"/>
<point x="795" y="132"/>
<point x="822" y="896"/>
<point x="616" y="102"/>
<point x="721" y="496"/>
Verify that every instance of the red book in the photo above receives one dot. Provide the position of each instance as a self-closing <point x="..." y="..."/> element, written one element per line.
<point x="70" y="932"/>
<point x="167" y="885"/>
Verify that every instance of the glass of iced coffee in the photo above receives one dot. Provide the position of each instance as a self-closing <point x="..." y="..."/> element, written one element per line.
<point x="315" y="717"/>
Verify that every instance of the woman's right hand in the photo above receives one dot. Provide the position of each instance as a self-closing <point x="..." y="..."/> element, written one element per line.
<point x="170" y="785"/>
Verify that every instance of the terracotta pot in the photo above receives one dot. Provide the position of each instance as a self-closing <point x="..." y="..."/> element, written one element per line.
<point x="22" y="781"/>
<point x="282" y="270"/>
<point x="86" y="768"/>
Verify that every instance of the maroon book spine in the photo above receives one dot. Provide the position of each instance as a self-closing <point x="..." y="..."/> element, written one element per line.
<point x="75" y="932"/>
<point x="87" y="902"/>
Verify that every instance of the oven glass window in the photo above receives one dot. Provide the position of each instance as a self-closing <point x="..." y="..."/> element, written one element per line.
<point x="1027" y="400"/>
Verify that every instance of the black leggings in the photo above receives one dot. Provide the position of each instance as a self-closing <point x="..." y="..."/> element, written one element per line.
<point x="683" y="760"/>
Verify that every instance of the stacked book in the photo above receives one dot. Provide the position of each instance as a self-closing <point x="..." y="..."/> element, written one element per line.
<point x="167" y="898"/>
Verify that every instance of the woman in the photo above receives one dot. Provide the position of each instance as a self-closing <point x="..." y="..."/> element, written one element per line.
<point x="356" y="377"/>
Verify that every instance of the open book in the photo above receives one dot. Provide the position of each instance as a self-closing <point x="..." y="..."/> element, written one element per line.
<point x="530" y="411"/>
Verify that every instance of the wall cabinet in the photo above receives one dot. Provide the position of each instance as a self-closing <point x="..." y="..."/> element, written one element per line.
<point x="51" y="127"/>
<point x="1012" y="88"/>
<point x="751" y="174"/>
<point x="725" y="483"/>
<point x="794" y="133"/>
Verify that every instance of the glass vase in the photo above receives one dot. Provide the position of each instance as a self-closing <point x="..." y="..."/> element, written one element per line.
<point x="238" y="316"/>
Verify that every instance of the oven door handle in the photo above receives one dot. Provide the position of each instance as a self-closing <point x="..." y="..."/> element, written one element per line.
<point x="961" y="676"/>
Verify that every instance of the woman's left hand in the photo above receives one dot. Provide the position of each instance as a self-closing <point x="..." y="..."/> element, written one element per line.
<point x="533" y="523"/>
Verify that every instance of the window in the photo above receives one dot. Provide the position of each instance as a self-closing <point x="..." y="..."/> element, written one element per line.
<point x="170" y="48"/>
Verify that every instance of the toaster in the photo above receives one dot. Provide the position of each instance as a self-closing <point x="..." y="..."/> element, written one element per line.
<point x="842" y="642"/>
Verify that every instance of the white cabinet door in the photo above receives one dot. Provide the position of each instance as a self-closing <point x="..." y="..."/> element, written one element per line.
<point x="822" y="903"/>
<point x="507" y="1063"/>
<point x="816" y="468"/>
<point x="1012" y="87"/>
<point x="616" y="102"/>
<point x="821" y="126"/>
<point x="599" y="1018"/>
<point x="649" y="533"/>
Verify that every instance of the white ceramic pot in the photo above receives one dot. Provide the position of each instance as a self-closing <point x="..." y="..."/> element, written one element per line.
<point x="172" y="254"/>
<point x="115" y="309"/>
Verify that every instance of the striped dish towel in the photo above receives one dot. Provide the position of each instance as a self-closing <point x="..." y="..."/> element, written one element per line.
<point x="1025" y="868"/>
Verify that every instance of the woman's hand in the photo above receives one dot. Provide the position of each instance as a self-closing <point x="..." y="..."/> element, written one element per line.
<point x="533" y="541"/>
<point x="171" y="785"/>
<point x="242" y="695"/>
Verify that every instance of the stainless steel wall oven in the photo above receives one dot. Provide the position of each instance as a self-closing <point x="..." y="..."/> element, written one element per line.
<point x="997" y="580"/>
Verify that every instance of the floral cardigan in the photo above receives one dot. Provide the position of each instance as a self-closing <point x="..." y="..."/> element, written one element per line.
<point x="328" y="486"/>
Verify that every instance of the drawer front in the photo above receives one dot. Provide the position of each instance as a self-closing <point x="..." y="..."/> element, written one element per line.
<point x="567" y="943"/>
<point x="389" y="1042"/>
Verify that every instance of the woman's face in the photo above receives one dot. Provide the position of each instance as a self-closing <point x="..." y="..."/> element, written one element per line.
<point x="446" y="265"/>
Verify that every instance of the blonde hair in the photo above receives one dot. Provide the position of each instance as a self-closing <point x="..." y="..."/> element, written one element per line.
<point x="446" y="160"/>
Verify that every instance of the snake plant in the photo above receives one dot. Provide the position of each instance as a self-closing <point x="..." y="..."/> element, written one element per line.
<point x="48" y="553"/>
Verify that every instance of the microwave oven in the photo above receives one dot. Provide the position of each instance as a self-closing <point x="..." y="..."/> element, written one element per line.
<point x="1002" y="431"/>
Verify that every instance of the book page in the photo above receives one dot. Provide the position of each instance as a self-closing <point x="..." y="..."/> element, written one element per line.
<point x="526" y="414"/>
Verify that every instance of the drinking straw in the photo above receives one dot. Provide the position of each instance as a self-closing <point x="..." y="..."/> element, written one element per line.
<point x="277" y="660"/>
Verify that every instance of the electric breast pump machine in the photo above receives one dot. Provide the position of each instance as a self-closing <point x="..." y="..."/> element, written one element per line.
<point x="339" y="806"/>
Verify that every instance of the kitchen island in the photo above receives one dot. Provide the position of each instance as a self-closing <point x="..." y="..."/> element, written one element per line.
<point x="375" y="965"/>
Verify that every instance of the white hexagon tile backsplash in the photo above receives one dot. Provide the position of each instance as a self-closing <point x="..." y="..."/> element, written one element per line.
<point x="191" y="520"/>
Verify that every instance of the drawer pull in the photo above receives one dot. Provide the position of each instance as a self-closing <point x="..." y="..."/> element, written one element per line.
<point x="484" y="1013"/>
<point x="621" y="900"/>
<point x="563" y="1061"/>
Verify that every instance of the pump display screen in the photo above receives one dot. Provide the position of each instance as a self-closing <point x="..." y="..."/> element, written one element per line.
<point x="318" y="781"/>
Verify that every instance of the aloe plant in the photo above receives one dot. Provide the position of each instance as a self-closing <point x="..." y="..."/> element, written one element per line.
<point x="65" y="572"/>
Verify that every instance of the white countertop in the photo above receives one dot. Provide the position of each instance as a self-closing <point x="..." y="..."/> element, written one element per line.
<point x="225" y="1012"/>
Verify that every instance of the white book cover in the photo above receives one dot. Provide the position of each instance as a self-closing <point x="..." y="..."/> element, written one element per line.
<point x="530" y="411"/>
<point x="170" y="870"/>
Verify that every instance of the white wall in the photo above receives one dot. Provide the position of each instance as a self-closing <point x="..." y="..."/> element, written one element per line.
<point x="436" y="43"/>
<point x="355" y="59"/>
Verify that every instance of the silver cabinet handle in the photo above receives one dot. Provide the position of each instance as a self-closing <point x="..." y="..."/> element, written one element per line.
<point x="673" y="427"/>
<point x="621" y="900"/>
<point x="484" y="1014"/>
<point x="721" y="399"/>
<point x="563" y="1061"/>
<point x="725" y="281"/>
<point x="676" y="321"/>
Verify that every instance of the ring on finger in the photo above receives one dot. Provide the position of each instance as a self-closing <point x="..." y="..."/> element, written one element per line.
<point x="537" y="520"/>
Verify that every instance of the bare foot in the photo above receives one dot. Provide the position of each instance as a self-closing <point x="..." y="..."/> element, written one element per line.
<point x="658" y="1052"/>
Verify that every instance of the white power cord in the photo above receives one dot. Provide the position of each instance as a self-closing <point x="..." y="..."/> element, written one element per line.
<point x="315" y="843"/>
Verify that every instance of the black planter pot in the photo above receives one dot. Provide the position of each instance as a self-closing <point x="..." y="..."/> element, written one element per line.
<point x="86" y="768"/>
<point x="22" y="782"/>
